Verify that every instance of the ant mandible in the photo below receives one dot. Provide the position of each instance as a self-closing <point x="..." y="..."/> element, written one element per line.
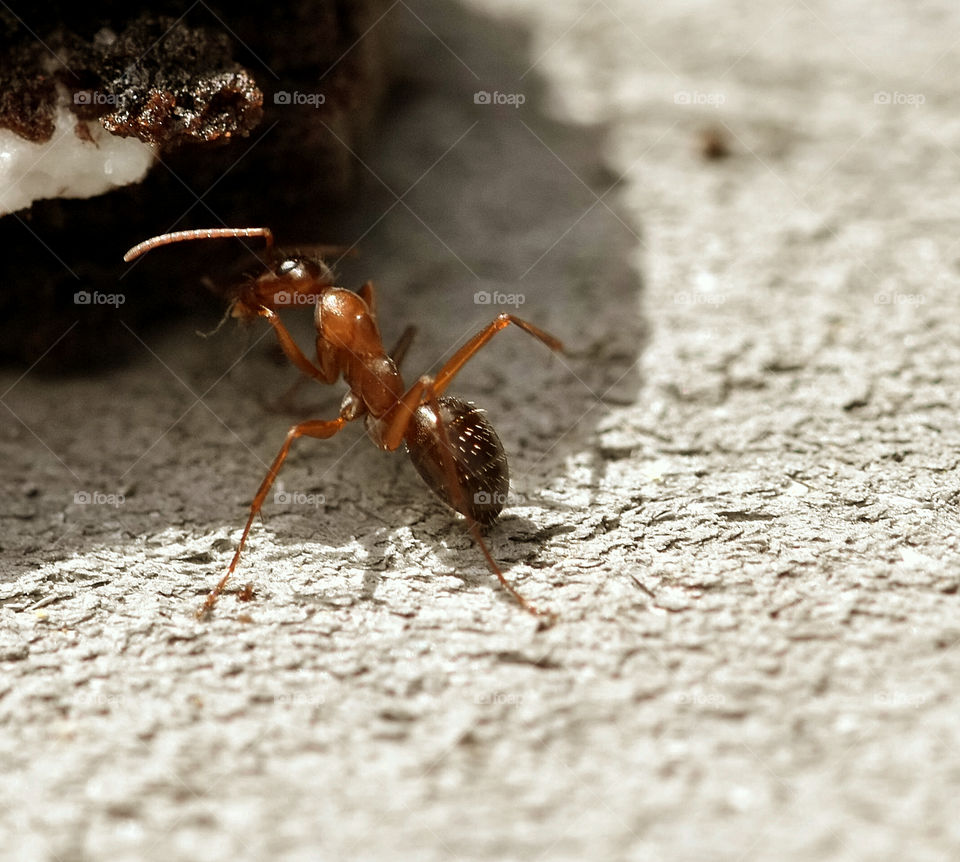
<point x="451" y="443"/>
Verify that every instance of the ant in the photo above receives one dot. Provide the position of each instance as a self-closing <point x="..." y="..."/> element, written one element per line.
<point x="451" y="443"/>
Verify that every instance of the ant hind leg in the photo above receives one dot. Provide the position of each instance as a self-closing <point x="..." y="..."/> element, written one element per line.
<point x="501" y="321"/>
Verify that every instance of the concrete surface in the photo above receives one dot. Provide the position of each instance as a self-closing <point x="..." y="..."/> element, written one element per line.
<point x="745" y="519"/>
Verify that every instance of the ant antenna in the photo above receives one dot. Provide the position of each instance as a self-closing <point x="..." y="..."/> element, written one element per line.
<point x="202" y="233"/>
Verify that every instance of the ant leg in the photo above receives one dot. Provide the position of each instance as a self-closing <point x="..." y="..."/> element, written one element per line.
<point x="402" y="345"/>
<point x="290" y="348"/>
<point x="393" y="427"/>
<point x="459" y="359"/>
<point x="315" y="428"/>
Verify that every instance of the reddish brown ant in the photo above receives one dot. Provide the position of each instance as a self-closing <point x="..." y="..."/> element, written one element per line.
<point x="451" y="443"/>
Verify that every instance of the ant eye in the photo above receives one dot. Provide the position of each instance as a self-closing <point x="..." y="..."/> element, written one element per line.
<point x="292" y="266"/>
<point x="301" y="268"/>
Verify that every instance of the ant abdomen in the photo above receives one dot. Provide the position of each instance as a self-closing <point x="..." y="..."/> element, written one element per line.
<point x="478" y="456"/>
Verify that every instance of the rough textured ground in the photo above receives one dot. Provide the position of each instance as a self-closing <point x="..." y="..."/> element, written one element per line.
<point x="739" y="490"/>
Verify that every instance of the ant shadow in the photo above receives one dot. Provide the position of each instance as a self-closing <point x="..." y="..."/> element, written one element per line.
<point x="475" y="201"/>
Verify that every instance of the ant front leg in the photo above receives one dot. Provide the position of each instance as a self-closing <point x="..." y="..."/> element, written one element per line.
<point x="321" y="429"/>
<point x="290" y="348"/>
<point x="296" y="356"/>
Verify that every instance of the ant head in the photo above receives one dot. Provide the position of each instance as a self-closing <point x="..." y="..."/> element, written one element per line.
<point x="301" y="268"/>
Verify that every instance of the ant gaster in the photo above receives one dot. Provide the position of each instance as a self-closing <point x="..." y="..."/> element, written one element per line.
<point x="451" y="443"/>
